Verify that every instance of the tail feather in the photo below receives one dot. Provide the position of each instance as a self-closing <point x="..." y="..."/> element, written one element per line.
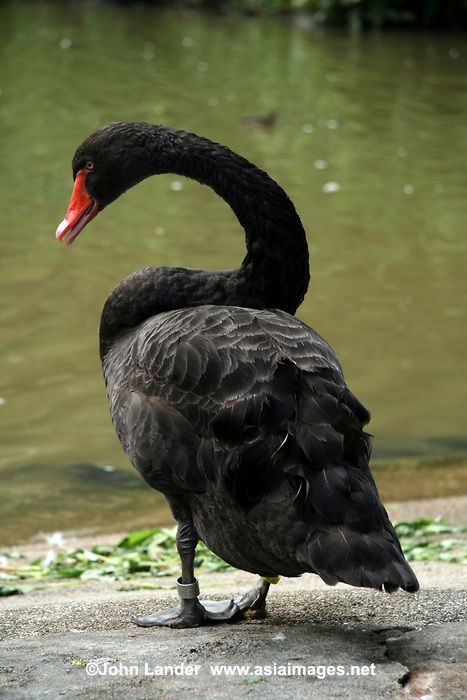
<point x="370" y="560"/>
<point x="351" y="538"/>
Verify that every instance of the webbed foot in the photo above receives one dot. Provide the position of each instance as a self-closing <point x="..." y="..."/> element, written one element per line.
<point x="184" y="615"/>
<point x="252" y="605"/>
<point x="193" y="613"/>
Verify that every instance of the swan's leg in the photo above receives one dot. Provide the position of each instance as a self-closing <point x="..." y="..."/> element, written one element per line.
<point x="191" y="612"/>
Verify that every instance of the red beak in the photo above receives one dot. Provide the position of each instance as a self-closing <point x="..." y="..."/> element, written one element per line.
<point x="81" y="210"/>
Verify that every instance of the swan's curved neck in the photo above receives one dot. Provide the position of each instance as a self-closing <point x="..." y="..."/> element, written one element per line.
<point x="275" y="271"/>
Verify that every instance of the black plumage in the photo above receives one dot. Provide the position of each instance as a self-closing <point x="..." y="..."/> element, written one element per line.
<point x="224" y="401"/>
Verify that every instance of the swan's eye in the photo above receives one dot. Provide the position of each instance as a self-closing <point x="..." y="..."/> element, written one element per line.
<point x="90" y="165"/>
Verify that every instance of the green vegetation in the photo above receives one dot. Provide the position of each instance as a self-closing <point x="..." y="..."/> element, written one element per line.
<point x="152" y="554"/>
<point x="421" y="540"/>
<point x="141" y="554"/>
<point x="374" y="13"/>
<point x="355" y="13"/>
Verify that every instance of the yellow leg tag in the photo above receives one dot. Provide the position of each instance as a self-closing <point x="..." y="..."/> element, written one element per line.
<point x="271" y="579"/>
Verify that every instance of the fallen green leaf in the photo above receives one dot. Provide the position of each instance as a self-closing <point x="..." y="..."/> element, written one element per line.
<point x="152" y="554"/>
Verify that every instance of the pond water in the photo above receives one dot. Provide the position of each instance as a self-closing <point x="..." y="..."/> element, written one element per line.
<point x="370" y="143"/>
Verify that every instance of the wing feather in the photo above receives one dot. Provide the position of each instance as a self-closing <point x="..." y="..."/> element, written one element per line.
<point x="251" y="398"/>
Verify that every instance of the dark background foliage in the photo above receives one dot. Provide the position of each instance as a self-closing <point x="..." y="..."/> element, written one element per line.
<point x="443" y="14"/>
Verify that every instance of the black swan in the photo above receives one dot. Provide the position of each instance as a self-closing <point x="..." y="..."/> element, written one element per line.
<point x="231" y="407"/>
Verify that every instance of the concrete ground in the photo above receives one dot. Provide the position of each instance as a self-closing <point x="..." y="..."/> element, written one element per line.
<point x="317" y="641"/>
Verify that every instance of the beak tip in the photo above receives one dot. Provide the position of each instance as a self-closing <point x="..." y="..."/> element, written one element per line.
<point x="61" y="230"/>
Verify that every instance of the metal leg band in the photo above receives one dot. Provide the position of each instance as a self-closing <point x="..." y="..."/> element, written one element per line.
<point x="188" y="591"/>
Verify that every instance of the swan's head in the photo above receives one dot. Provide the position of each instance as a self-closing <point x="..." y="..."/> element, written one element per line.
<point x="106" y="164"/>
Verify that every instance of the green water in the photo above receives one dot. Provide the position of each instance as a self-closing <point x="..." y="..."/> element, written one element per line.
<point x="386" y="114"/>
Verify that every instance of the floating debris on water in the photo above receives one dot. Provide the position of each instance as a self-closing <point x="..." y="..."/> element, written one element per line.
<point x="108" y="468"/>
<point x="320" y="164"/>
<point x="149" y="50"/>
<point x="261" y="121"/>
<point x="330" y="187"/>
